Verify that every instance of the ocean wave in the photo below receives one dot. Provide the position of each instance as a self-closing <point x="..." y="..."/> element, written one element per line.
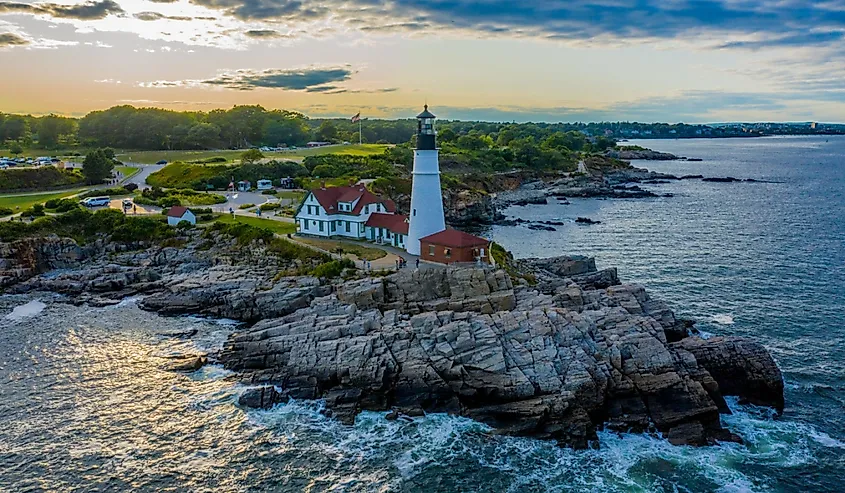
<point x="406" y="455"/>
<point x="26" y="310"/>
<point x="723" y="319"/>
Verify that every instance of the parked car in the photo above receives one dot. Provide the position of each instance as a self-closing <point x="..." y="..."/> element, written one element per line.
<point x="96" y="201"/>
<point x="161" y="162"/>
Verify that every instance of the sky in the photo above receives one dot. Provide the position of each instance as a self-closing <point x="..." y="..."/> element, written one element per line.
<point x="692" y="61"/>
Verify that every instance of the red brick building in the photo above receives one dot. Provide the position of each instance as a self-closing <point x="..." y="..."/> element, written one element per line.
<point x="450" y="245"/>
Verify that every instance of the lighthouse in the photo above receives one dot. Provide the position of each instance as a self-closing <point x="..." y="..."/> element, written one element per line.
<point x="426" y="216"/>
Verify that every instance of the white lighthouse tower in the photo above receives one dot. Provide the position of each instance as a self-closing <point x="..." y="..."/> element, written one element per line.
<point x="426" y="201"/>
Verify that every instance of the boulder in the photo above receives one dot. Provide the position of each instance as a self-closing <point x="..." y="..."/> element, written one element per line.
<point x="263" y="397"/>
<point x="741" y="367"/>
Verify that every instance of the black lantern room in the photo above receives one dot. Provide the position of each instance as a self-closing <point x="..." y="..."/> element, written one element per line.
<point x="425" y="130"/>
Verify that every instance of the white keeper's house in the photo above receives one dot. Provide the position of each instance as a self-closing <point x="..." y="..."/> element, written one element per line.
<point x="351" y="212"/>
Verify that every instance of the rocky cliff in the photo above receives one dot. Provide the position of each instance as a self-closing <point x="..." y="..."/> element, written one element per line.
<point x="556" y="361"/>
<point x="574" y="351"/>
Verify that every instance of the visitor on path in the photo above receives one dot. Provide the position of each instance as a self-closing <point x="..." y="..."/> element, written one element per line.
<point x="418" y="263"/>
<point x="134" y="209"/>
<point x="397" y="264"/>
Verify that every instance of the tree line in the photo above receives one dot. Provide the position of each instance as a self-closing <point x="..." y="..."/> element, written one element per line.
<point x="128" y="127"/>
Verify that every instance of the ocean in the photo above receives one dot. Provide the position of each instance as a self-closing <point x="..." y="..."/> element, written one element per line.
<point x="86" y="405"/>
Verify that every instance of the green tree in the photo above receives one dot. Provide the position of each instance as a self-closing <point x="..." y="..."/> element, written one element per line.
<point x="15" y="148"/>
<point x="203" y="135"/>
<point x="327" y="131"/>
<point x="97" y="167"/>
<point x="51" y="128"/>
<point x="251" y="156"/>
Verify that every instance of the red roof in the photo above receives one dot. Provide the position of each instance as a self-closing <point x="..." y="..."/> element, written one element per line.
<point x="395" y="223"/>
<point x="177" y="211"/>
<point x="455" y="239"/>
<point x="330" y="196"/>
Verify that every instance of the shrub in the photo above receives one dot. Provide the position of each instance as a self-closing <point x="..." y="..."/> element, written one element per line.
<point x="270" y="206"/>
<point x="246" y="206"/>
<point x="332" y="269"/>
<point x="169" y="201"/>
<point x="5" y="211"/>
<point x="268" y="192"/>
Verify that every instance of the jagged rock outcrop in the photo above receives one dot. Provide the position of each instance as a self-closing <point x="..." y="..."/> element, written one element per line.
<point x="559" y="357"/>
<point x="224" y="292"/>
<point x="629" y="153"/>
<point x="556" y="362"/>
<point x="741" y="366"/>
<point x="25" y="258"/>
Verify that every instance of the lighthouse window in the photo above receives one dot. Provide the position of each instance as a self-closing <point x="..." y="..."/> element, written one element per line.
<point x="415" y="212"/>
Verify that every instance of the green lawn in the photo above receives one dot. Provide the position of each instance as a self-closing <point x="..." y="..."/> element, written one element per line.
<point x="152" y="157"/>
<point x="128" y="171"/>
<point x="360" y="251"/>
<point x="277" y="227"/>
<point x="21" y="202"/>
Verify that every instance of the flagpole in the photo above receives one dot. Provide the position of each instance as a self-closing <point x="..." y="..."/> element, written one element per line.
<point x="360" y="137"/>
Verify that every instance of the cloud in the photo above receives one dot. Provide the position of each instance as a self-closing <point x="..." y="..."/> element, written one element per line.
<point x="12" y="39"/>
<point x="92" y="10"/>
<point x="154" y="16"/>
<point x="309" y="79"/>
<point x="265" y="33"/>
<point x="782" y="22"/>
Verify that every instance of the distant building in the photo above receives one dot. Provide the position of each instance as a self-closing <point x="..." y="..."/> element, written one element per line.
<point x="317" y="144"/>
<point x="244" y="186"/>
<point x="264" y="184"/>
<point x="287" y="183"/>
<point x="178" y="213"/>
<point x="450" y="246"/>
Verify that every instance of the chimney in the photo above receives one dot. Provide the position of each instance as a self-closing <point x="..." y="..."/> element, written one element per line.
<point x="323" y="185"/>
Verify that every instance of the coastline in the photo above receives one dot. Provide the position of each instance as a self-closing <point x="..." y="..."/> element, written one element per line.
<point x="638" y="363"/>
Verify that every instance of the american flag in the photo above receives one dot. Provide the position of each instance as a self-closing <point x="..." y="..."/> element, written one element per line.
<point x="357" y="117"/>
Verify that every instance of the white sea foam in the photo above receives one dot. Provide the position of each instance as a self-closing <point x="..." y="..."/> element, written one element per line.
<point x="723" y="319"/>
<point x="30" y="309"/>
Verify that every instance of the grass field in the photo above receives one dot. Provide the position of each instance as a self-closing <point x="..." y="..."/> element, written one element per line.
<point x="360" y="251"/>
<point x="277" y="227"/>
<point x="21" y="202"/>
<point x="152" y="157"/>
<point x="128" y="171"/>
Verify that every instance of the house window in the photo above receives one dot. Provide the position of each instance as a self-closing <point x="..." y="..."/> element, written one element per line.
<point x="332" y="226"/>
<point x="347" y="225"/>
<point x="304" y="224"/>
<point x="321" y="226"/>
<point x="447" y="252"/>
<point x="415" y="212"/>
<point x="361" y="228"/>
<point x="431" y="250"/>
<point x="366" y="209"/>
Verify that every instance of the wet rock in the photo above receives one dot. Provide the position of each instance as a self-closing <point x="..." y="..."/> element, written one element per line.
<point x="541" y="227"/>
<point x="187" y="363"/>
<point x="727" y="179"/>
<point x="586" y="220"/>
<point x="262" y="397"/>
<point x="742" y="367"/>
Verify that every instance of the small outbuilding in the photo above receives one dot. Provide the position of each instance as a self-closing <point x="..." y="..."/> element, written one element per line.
<point x="264" y="184"/>
<point x="244" y="186"/>
<point x="178" y="213"/>
<point x="390" y="229"/>
<point x="287" y="183"/>
<point x="450" y="246"/>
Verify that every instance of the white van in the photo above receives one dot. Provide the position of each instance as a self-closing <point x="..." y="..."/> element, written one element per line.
<point x="96" y="201"/>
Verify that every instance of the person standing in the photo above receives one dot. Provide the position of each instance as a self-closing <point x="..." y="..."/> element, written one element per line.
<point x="418" y="263"/>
